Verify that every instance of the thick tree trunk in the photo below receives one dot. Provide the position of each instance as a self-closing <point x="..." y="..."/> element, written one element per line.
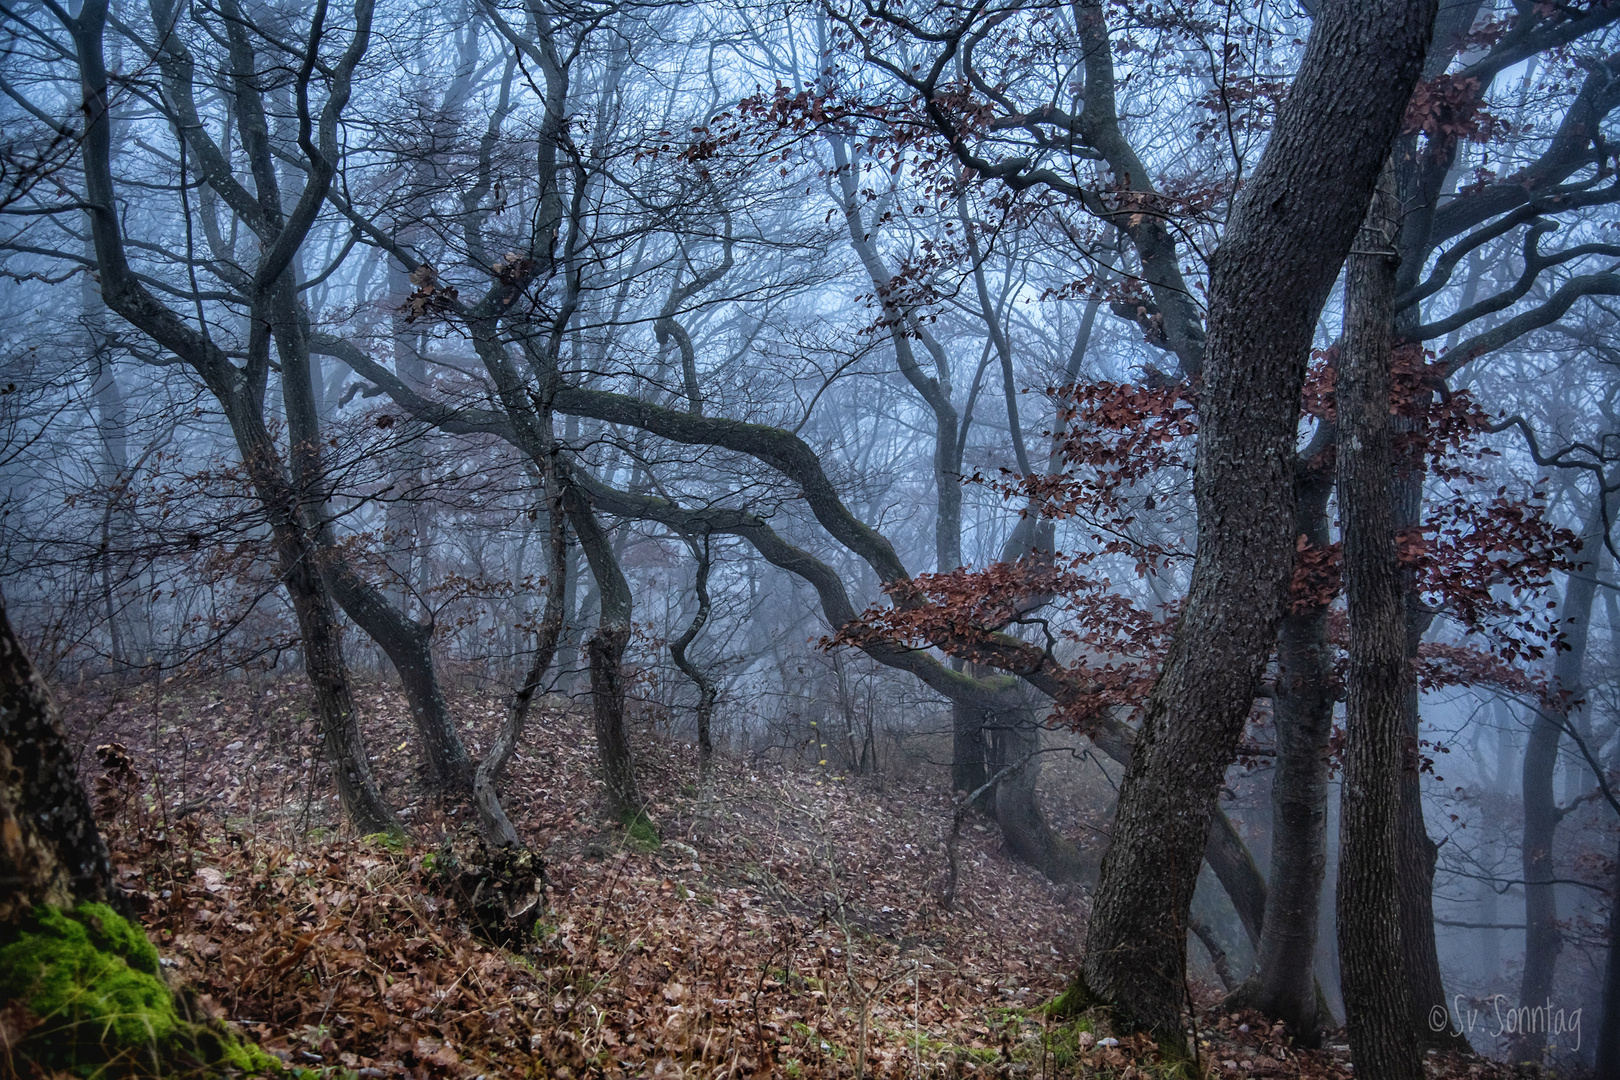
<point x="1420" y="175"/>
<point x="1418" y="852"/>
<point x="1287" y="235"/>
<point x="1284" y="988"/>
<point x="1377" y="998"/>
<point x="50" y="851"/>
<point x="967" y="747"/>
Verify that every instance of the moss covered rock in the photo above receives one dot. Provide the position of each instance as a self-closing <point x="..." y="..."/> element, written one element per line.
<point x="90" y="1000"/>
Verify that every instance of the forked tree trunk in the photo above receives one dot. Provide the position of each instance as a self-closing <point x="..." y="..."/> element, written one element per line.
<point x="240" y="391"/>
<point x="328" y="674"/>
<point x="1377" y="997"/>
<point x="407" y="643"/>
<point x="1290" y="228"/>
<point x="50" y="851"/>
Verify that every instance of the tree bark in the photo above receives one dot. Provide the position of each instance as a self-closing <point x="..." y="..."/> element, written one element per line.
<point x="708" y="690"/>
<point x="1284" y="987"/>
<point x="605" y="651"/>
<point x="1608" y="1047"/>
<point x="407" y="643"/>
<point x="1542" y="938"/>
<point x="1377" y="998"/>
<point x="1290" y="228"/>
<point x="240" y="392"/>
<point x="967" y="747"/>
<point x="50" y="850"/>
<point x="497" y="829"/>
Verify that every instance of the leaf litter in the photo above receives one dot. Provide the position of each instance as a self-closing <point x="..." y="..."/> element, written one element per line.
<point x="788" y="925"/>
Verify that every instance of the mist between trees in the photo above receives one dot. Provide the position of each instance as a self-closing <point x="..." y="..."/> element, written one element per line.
<point x="1223" y="391"/>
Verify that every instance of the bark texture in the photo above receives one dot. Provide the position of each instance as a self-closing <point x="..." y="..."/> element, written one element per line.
<point x="1284" y="987"/>
<point x="1377" y="997"/>
<point x="1288" y="233"/>
<point x="50" y="851"/>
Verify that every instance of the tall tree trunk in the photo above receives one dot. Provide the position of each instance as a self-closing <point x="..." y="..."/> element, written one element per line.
<point x="967" y="747"/>
<point x="1029" y="836"/>
<point x="1542" y="938"/>
<point x="1290" y="228"/>
<point x="1284" y="987"/>
<point x="1608" y="1047"/>
<point x="1377" y="1002"/>
<point x="50" y="851"/>
<point x="240" y="391"/>
<point x="605" y="650"/>
<point x="708" y="690"/>
<point x="407" y="643"/>
<point x="496" y="827"/>
<point x="1418" y="852"/>
<point x="1420" y="176"/>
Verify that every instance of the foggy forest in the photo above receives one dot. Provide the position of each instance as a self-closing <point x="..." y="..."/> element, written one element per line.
<point x="809" y="539"/>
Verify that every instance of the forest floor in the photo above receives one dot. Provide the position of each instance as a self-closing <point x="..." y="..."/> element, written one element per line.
<point x="789" y="924"/>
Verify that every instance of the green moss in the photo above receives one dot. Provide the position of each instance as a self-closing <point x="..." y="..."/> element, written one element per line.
<point x="639" y="832"/>
<point x="98" y="1005"/>
<point x="1072" y="1002"/>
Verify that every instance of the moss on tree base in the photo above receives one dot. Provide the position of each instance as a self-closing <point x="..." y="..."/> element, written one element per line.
<point x="639" y="831"/>
<point x="89" y="999"/>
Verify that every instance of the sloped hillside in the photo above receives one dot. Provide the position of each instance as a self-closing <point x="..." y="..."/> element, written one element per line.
<point x="789" y="924"/>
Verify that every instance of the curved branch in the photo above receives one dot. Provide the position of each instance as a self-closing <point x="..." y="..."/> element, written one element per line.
<point x="1534" y="319"/>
